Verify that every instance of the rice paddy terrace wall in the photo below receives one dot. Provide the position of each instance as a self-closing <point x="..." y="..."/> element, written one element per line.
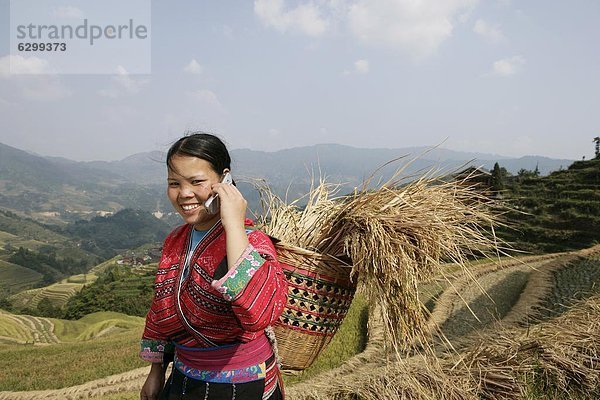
<point x="563" y="209"/>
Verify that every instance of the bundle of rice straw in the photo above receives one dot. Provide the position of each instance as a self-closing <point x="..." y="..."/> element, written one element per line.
<point x="397" y="235"/>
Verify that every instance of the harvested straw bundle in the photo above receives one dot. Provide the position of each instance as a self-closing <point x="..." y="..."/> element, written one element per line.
<point x="559" y="358"/>
<point x="394" y="237"/>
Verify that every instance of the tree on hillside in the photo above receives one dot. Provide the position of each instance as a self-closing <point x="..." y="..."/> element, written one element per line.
<point x="499" y="175"/>
<point x="597" y="140"/>
<point x="527" y="174"/>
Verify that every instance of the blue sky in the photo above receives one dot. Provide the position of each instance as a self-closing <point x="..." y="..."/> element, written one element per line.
<point x="498" y="76"/>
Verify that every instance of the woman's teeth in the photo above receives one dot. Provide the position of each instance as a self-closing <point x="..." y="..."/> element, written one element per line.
<point x="190" y="207"/>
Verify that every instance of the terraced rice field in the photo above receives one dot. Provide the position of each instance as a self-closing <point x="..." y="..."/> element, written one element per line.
<point x="57" y="293"/>
<point x="26" y="329"/>
<point x="15" y="278"/>
<point x="507" y="294"/>
<point x="517" y="293"/>
<point x="572" y="283"/>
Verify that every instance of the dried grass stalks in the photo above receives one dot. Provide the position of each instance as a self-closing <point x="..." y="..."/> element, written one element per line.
<point x="555" y="359"/>
<point x="418" y="379"/>
<point x="395" y="236"/>
<point x="560" y="357"/>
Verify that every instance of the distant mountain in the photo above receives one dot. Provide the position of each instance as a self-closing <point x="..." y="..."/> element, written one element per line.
<point x="141" y="168"/>
<point x="34" y="185"/>
<point x="43" y="188"/>
<point x="31" y="170"/>
<point x="334" y="160"/>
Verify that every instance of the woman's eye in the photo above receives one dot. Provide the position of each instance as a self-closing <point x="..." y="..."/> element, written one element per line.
<point x="173" y="184"/>
<point x="197" y="182"/>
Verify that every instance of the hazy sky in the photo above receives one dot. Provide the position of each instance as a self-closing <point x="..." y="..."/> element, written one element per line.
<point x="496" y="76"/>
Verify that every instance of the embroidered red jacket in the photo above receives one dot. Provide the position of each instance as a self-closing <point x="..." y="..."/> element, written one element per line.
<point x="212" y="306"/>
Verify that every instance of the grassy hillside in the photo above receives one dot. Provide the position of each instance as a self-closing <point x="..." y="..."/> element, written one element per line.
<point x="115" y="346"/>
<point x="40" y="251"/>
<point x="35" y="254"/>
<point x="28" y="367"/>
<point x="23" y="329"/>
<point x="56" y="294"/>
<point x="25" y="228"/>
<point x="127" y="229"/>
<point x="63" y="190"/>
<point x="15" y="278"/>
<point x="95" y="325"/>
<point x="558" y="212"/>
<point x="100" y="344"/>
<point x="120" y="288"/>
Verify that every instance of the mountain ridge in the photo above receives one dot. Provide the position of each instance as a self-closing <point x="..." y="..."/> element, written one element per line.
<point x="43" y="187"/>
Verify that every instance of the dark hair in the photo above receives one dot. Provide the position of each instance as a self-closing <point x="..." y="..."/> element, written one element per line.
<point x="202" y="145"/>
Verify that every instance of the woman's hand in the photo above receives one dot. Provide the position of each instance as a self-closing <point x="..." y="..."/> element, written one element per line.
<point x="233" y="215"/>
<point x="154" y="383"/>
<point x="233" y="205"/>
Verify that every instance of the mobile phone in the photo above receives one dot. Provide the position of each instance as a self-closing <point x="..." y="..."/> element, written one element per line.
<point x="212" y="203"/>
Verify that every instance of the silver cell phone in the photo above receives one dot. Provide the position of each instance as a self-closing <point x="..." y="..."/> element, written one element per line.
<point x="212" y="203"/>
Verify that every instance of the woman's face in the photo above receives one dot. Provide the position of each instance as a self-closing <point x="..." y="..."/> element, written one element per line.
<point x="189" y="186"/>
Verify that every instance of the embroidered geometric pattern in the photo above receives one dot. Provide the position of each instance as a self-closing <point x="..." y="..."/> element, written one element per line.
<point x="218" y="308"/>
<point x="315" y="305"/>
<point x="252" y="304"/>
<point x="248" y="374"/>
<point x="153" y="350"/>
<point x="238" y="280"/>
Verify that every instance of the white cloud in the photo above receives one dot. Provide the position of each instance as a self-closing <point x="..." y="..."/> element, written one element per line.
<point x="19" y="65"/>
<point x="274" y="132"/>
<point x="32" y="78"/>
<point x="45" y="89"/>
<point x="361" y="66"/>
<point x="489" y="32"/>
<point x="207" y="97"/>
<point x="228" y="32"/>
<point x="123" y="84"/>
<point x="68" y="12"/>
<point x="416" y="27"/>
<point x="193" y="67"/>
<point x="508" y="66"/>
<point x="304" y="18"/>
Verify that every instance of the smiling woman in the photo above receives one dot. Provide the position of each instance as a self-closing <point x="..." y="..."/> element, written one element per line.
<point x="218" y="288"/>
<point x="190" y="180"/>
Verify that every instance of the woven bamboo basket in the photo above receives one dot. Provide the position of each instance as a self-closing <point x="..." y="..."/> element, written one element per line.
<point x="320" y="292"/>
